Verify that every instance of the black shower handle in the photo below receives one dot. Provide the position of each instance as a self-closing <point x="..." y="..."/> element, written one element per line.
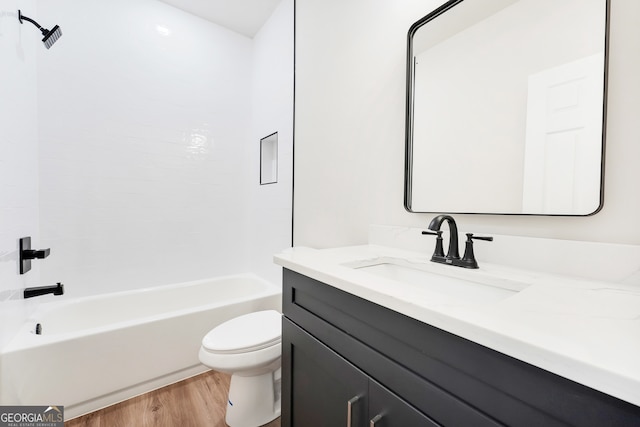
<point x="27" y="254"/>
<point x="36" y="253"/>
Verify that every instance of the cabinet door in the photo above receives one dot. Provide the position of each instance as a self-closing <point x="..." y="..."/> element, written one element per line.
<point x="319" y="388"/>
<point x="388" y="410"/>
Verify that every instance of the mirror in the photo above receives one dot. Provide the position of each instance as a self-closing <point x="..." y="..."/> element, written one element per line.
<point x="506" y="107"/>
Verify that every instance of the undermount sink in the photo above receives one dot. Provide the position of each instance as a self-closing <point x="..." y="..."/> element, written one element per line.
<point x="460" y="284"/>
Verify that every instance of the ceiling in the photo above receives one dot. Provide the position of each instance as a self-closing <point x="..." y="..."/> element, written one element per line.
<point x="242" y="16"/>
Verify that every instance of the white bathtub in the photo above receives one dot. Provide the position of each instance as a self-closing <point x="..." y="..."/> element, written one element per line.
<point x="96" y="351"/>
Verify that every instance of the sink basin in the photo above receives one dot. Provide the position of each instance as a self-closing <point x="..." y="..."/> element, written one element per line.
<point x="464" y="285"/>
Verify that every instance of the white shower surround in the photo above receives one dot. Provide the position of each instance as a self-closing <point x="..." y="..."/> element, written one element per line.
<point x="128" y="148"/>
<point x="147" y="161"/>
<point x="141" y="158"/>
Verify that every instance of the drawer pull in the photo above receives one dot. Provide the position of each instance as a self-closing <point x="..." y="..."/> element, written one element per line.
<point x="350" y="403"/>
<point x="374" y="420"/>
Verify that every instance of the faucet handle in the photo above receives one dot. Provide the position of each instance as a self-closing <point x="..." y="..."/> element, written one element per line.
<point x="439" y="250"/>
<point x="487" y="238"/>
<point x="469" y="258"/>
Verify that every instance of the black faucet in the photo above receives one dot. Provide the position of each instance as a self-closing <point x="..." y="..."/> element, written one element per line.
<point x="452" y="252"/>
<point x="453" y="255"/>
<point x="57" y="289"/>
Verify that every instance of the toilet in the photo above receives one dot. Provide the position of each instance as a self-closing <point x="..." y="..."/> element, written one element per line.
<point x="248" y="347"/>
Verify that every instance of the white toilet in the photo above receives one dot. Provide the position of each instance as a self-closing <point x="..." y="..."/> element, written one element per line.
<point x="248" y="347"/>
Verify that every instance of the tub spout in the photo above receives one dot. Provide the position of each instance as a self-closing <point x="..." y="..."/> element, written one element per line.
<point x="57" y="289"/>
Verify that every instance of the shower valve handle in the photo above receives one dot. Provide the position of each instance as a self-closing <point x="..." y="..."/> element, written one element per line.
<point x="27" y="254"/>
<point x="36" y="254"/>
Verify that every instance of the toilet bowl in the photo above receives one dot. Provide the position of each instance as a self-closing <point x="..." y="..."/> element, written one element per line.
<point x="249" y="348"/>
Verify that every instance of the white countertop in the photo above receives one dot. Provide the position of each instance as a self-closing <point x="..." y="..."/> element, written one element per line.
<point x="584" y="330"/>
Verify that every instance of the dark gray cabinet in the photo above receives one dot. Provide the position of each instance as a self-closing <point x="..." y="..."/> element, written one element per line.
<point x="337" y="347"/>
<point x="322" y="383"/>
<point x="328" y="391"/>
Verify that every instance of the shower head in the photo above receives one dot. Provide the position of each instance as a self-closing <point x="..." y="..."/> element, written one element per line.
<point x="50" y="36"/>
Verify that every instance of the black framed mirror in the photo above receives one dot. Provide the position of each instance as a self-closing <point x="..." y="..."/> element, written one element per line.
<point x="506" y="108"/>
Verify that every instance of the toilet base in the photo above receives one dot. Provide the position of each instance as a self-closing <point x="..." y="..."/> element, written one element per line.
<point x="254" y="400"/>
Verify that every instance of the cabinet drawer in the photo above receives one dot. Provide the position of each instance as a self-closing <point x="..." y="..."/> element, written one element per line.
<point x="442" y="367"/>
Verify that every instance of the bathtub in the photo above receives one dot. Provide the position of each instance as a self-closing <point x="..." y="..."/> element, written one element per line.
<point x="96" y="351"/>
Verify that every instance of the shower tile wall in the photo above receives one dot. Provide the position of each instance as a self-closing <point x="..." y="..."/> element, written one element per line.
<point x="142" y="112"/>
<point x="18" y="159"/>
<point x="145" y="115"/>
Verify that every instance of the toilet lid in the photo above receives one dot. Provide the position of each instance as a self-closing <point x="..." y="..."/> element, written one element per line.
<point x="250" y="332"/>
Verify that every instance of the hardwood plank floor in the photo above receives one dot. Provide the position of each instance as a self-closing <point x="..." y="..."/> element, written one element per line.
<point x="195" y="402"/>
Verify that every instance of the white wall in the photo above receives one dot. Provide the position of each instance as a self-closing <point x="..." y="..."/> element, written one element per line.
<point x="272" y="111"/>
<point x="350" y="106"/>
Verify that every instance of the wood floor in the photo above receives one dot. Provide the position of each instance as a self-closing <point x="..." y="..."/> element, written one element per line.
<point x="196" y="402"/>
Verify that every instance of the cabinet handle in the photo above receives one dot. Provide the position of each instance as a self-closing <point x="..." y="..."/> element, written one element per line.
<point x="374" y="420"/>
<point x="350" y="403"/>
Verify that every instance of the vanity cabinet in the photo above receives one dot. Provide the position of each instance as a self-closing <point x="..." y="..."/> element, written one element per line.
<point x="329" y="391"/>
<point x="337" y="347"/>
